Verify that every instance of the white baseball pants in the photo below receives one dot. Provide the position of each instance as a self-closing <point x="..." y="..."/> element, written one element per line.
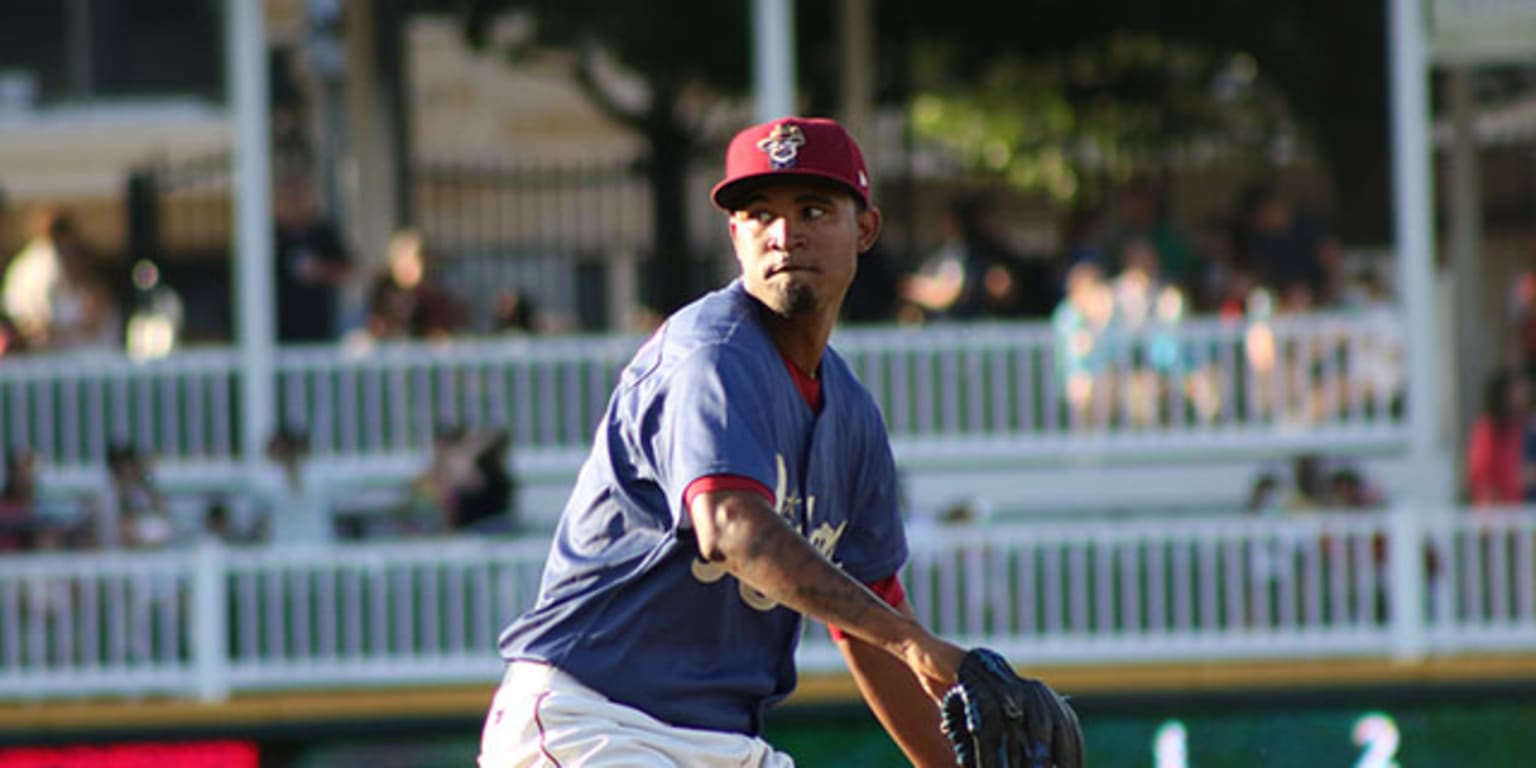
<point x="543" y="718"/>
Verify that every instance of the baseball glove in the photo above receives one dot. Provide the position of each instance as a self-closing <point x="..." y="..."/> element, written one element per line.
<point x="997" y="719"/>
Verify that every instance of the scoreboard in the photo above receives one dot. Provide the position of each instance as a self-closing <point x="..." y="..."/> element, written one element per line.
<point x="1402" y="726"/>
<point x="1386" y="728"/>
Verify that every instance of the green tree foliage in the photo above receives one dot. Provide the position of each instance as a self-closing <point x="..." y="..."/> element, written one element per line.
<point x="1059" y="94"/>
<point x="1109" y="109"/>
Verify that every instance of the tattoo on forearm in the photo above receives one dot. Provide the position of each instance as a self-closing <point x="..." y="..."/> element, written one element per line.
<point x="784" y="566"/>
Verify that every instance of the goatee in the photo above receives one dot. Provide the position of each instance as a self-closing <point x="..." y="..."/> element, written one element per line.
<point x="798" y="300"/>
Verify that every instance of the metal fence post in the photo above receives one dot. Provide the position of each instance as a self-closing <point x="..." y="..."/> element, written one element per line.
<point x="1408" y="581"/>
<point x="254" y="296"/>
<point x="1413" y="192"/>
<point x="143" y="214"/>
<point x="209" y="623"/>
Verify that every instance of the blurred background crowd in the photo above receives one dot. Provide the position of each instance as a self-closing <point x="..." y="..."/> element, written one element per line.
<point x="1161" y="186"/>
<point x="1192" y="396"/>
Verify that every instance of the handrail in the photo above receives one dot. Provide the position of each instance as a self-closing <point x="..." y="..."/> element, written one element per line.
<point x="1010" y="391"/>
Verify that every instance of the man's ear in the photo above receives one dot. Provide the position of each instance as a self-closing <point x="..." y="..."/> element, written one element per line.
<point x="869" y="228"/>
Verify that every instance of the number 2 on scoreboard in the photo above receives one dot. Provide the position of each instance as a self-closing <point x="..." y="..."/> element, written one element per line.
<point x="1375" y="731"/>
<point x="1378" y="733"/>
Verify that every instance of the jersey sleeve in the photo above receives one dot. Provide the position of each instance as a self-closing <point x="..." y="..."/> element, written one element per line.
<point x="711" y="422"/>
<point x="888" y="589"/>
<point x="875" y="545"/>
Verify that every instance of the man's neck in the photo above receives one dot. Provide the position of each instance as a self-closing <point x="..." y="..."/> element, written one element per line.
<point x="802" y="339"/>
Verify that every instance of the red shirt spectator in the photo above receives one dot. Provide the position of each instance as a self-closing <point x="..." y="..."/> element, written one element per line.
<point x="1493" y="464"/>
<point x="1495" y="450"/>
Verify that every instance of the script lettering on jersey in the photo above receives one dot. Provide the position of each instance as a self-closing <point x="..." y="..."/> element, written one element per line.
<point x="824" y="538"/>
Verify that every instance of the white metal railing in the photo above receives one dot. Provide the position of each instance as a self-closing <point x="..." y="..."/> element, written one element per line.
<point x="208" y="621"/>
<point x="1005" y="390"/>
<point x="548" y="393"/>
<point x="406" y="611"/>
<point x="1481" y="582"/>
<point x="71" y="407"/>
<point x="1145" y="589"/>
<point x="102" y="623"/>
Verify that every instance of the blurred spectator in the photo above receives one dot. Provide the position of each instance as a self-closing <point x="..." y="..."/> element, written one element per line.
<point x="84" y="307"/>
<point x="1210" y="289"/>
<point x="294" y="511"/>
<point x="1235" y="296"/>
<point x="1137" y="285"/>
<point x="406" y="301"/>
<point x="11" y="340"/>
<point x="516" y="312"/>
<point x="466" y="487"/>
<point x="1348" y="490"/>
<point x="137" y="515"/>
<point x="1081" y="326"/>
<point x="1377" y="370"/>
<point x="219" y="523"/>
<point x="29" y="519"/>
<point x="19" y="520"/>
<point x="1495" y="448"/>
<point x="433" y="493"/>
<point x="483" y="501"/>
<point x="1312" y="482"/>
<point x="969" y="276"/>
<point x="1146" y="315"/>
<point x="1309" y="482"/>
<point x="1143" y="216"/>
<point x="1264" y="496"/>
<point x="54" y="292"/>
<point x="35" y="272"/>
<point x="1288" y="250"/>
<point x="155" y="326"/>
<point x="1522" y="315"/>
<point x="311" y="264"/>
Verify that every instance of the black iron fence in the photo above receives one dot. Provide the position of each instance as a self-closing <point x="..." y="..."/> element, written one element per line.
<point x="556" y="234"/>
<point x="557" y="207"/>
<point x="574" y="237"/>
<point x="179" y="218"/>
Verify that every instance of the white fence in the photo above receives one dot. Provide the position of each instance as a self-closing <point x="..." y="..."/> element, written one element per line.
<point x="209" y="621"/>
<point x="1011" y="391"/>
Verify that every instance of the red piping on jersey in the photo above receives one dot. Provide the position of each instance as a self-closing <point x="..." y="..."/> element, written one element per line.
<point x="539" y="722"/>
<point x="714" y="483"/>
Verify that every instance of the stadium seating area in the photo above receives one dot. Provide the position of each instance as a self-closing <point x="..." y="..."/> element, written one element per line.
<point x="977" y="414"/>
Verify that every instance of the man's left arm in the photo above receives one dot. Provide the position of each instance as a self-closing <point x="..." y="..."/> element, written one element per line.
<point x="906" y="711"/>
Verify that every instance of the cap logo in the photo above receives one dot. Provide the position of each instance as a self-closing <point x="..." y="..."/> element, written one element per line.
<point x="782" y="145"/>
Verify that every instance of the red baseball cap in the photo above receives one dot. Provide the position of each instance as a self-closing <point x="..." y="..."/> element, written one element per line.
<point x="793" y="146"/>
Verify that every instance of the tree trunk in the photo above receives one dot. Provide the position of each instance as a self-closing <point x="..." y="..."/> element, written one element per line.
<point x="670" y="280"/>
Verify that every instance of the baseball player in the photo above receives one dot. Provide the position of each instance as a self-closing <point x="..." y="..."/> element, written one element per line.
<point x="741" y="478"/>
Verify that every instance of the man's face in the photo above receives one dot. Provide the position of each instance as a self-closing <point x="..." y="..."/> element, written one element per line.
<point x="798" y="244"/>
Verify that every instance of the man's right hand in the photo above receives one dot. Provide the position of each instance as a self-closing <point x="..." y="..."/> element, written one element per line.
<point x="935" y="663"/>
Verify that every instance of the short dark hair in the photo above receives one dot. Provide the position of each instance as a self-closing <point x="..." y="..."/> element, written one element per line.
<point x="1496" y="394"/>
